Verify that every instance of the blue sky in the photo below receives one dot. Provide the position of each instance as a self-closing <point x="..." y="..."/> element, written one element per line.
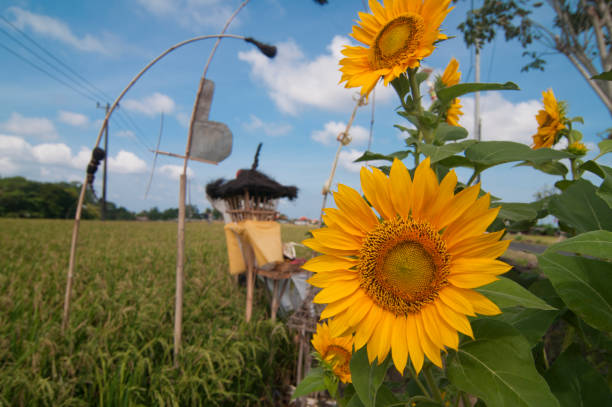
<point x="293" y="104"/>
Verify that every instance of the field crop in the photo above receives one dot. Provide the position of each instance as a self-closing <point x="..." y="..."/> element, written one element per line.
<point x="118" y="348"/>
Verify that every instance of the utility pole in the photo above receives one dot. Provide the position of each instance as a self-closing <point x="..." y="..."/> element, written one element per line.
<point x="103" y="212"/>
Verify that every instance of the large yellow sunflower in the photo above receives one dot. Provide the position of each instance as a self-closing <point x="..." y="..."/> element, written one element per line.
<point x="404" y="282"/>
<point x="396" y="37"/>
<point x="450" y="77"/>
<point x="336" y="351"/>
<point x="550" y="121"/>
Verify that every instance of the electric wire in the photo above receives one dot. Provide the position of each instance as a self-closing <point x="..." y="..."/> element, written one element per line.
<point x="82" y="86"/>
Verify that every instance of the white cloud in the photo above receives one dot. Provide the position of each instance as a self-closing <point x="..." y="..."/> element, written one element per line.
<point x="294" y="82"/>
<point x="331" y="130"/>
<point x="183" y="118"/>
<point x="52" y="153"/>
<point x="268" y="128"/>
<point x="174" y="171"/>
<point x="73" y="119"/>
<point x="53" y="28"/>
<point x="126" y="162"/>
<point x="125" y="134"/>
<point x="38" y="127"/>
<point x="502" y="119"/>
<point x="193" y="14"/>
<point x="16" y="155"/>
<point x="347" y="157"/>
<point x="151" y="105"/>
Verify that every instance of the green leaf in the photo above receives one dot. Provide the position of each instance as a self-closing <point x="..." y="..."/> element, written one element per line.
<point x="516" y="211"/>
<point x="489" y="153"/>
<point x="605" y="146"/>
<point x="447" y="94"/>
<point x="367" y="378"/>
<point x="605" y="191"/>
<point x="498" y="367"/>
<point x="313" y="382"/>
<point x="596" y="244"/>
<point x="584" y="284"/>
<point x="575" y="382"/>
<point x="437" y="153"/>
<point x="457" y="161"/>
<point x="446" y="132"/>
<point x="548" y="167"/>
<point x="598" y="169"/>
<point x="581" y="208"/>
<point x="604" y="76"/>
<point x="532" y="323"/>
<point x="507" y="293"/>
<point x="401" y="84"/>
<point x="370" y="156"/>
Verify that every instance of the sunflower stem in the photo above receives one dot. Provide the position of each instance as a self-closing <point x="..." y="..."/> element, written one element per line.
<point x="573" y="167"/>
<point x="432" y="384"/>
<point x="415" y="377"/>
<point x="416" y="105"/>
<point x="473" y="177"/>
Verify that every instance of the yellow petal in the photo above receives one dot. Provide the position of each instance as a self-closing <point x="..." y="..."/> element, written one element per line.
<point x="335" y="239"/>
<point x="401" y="188"/>
<point x="364" y="330"/>
<point x="328" y="278"/>
<point x="459" y="204"/>
<point x="399" y="345"/>
<point x="336" y="307"/>
<point x="482" y="305"/>
<point x="485" y="245"/>
<point x="478" y="265"/>
<point x="471" y="280"/>
<point x="350" y="202"/>
<point x="336" y="292"/>
<point x="425" y="186"/>
<point x="344" y="222"/>
<point x="452" y="297"/>
<point x="431" y="350"/>
<point x="329" y="263"/>
<point x="455" y="319"/>
<point x="430" y="323"/>
<point x="317" y="246"/>
<point x="413" y="341"/>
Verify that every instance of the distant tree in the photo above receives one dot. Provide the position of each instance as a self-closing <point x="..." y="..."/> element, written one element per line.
<point x="582" y="31"/>
<point x="216" y="215"/>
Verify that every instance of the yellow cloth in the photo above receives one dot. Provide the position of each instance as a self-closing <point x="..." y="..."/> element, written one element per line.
<point x="263" y="236"/>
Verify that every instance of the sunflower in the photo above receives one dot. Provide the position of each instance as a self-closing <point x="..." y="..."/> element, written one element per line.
<point x="450" y="77"/>
<point x="404" y="283"/>
<point x="577" y="148"/>
<point x="396" y="37"/>
<point x="336" y="351"/>
<point x="550" y="121"/>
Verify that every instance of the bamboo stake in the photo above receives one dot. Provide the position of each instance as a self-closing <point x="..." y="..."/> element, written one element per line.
<point x="178" y="309"/>
<point x="77" y="217"/>
<point x="180" y="275"/>
<point x="275" y="300"/>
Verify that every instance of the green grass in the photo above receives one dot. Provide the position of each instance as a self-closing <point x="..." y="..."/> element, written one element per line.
<point x="118" y="349"/>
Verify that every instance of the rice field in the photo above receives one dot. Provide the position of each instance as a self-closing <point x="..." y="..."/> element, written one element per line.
<point x="118" y="348"/>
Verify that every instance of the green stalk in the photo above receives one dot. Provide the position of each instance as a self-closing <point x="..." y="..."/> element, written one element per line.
<point x="415" y="377"/>
<point x="416" y="102"/>
<point x="432" y="384"/>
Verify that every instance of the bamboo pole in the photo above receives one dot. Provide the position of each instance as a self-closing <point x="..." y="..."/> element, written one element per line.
<point x="178" y="309"/>
<point x="77" y="217"/>
<point x="180" y="275"/>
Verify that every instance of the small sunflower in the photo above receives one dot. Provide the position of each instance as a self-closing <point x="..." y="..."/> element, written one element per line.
<point x="450" y="77"/>
<point x="396" y="37"/>
<point x="550" y="121"/>
<point x="336" y="351"/>
<point x="404" y="283"/>
<point x="577" y="148"/>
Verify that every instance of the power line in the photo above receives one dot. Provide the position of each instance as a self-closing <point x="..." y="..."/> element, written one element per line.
<point x="47" y="73"/>
<point x="122" y="123"/>
<point x="93" y="88"/>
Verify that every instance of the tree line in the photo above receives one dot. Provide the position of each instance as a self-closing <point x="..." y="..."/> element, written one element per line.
<point x="22" y="198"/>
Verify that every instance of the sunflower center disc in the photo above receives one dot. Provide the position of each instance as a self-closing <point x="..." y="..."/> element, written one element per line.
<point x="408" y="268"/>
<point x="397" y="40"/>
<point x="403" y="264"/>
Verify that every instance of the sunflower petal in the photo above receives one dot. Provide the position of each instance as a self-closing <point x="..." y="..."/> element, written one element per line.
<point x="336" y="292"/>
<point x="401" y="188"/>
<point x="329" y="263"/>
<point x="399" y="345"/>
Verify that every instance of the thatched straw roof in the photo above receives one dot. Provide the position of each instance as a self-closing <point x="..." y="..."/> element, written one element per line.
<point x="256" y="183"/>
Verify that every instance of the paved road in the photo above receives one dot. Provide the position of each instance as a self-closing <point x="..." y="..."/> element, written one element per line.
<point x="527" y="247"/>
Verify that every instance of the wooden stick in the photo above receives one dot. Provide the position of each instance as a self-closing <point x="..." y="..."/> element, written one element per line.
<point x="180" y="275"/>
<point x="275" y="301"/>
<point x="250" y="260"/>
<point x="73" y="246"/>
